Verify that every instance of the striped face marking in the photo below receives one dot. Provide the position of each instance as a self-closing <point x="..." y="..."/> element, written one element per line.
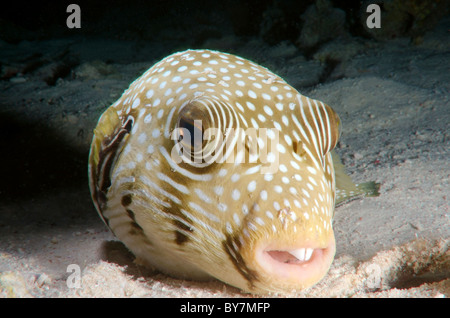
<point x="211" y="165"/>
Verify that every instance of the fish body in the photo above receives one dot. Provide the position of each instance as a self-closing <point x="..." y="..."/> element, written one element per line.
<point x="210" y="165"/>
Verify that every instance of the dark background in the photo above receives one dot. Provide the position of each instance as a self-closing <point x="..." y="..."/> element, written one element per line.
<point x="198" y="20"/>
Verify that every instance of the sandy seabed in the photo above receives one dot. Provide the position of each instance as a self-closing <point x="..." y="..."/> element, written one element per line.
<point x="393" y="100"/>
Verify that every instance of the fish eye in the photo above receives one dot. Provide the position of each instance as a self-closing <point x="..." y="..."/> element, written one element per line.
<point x="192" y="123"/>
<point x="190" y="132"/>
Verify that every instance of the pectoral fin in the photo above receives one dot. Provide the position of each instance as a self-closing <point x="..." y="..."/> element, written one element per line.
<point x="346" y="189"/>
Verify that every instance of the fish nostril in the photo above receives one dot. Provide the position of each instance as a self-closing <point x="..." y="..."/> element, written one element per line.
<point x="297" y="147"/>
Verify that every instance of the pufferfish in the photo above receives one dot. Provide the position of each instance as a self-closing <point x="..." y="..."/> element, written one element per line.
<point x="210" y="165"/>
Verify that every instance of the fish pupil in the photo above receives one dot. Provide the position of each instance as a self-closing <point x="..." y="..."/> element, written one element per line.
<point x="192" y="123"/>
<point x="195" y="139"/>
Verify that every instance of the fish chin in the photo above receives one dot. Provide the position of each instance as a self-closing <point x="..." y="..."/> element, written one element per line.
<point x="293" y="267"/>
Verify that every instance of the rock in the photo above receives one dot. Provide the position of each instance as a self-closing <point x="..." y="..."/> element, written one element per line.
<point x="54" y="240"/>
<point x="13" y="285"/>
<point x="18" y="80"/>
<point x="280" y="21"/>
<point x="95" y="70"/>
<point x="321" y="22"/>
<point x="358" y="156"/>
<point x="51" y="72"/>
<point x="42" y="280"/>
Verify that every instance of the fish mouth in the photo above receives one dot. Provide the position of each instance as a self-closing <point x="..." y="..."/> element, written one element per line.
<point x="294" y="267"/>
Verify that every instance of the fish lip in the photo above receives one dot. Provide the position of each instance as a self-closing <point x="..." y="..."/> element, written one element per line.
<point x="294" y="274"/>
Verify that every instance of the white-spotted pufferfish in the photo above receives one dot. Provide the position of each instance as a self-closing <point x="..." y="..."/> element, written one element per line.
<point x="210" y="165"/>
